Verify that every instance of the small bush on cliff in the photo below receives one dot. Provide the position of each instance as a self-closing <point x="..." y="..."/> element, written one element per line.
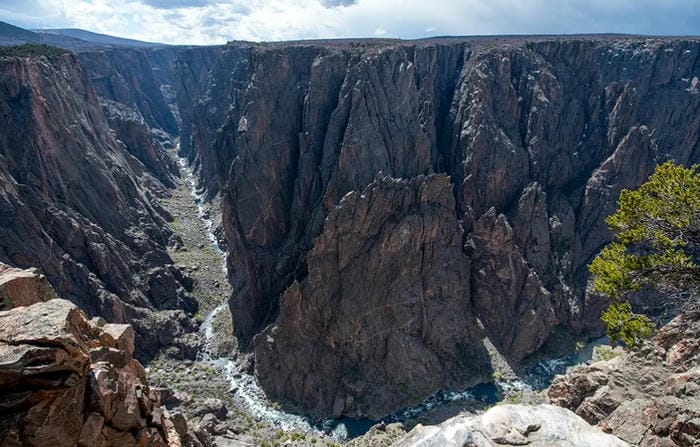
<point x="657" y="244"/>
<point x="603" y="352"/>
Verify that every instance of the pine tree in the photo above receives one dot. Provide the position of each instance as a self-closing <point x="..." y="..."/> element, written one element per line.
<point x="657" y="244"/>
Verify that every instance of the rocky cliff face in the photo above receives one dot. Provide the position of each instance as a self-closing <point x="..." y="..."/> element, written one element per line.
<point x="79" y="207"/>
<point x="648" y="398"/>
<point x="136" y="91"/>
<point x="537" y="139"/>
<point x="398" y="245"/>
<point x="192" y="69"/>
<point x="139" y="78"/>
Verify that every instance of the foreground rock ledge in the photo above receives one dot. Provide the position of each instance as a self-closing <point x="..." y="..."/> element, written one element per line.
<point x="648" y="398"/>
<point x="535" y="426"/>
<point x="67" y="381"/>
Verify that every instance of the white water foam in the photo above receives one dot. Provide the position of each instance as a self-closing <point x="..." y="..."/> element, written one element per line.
<point x="246" y="391"/>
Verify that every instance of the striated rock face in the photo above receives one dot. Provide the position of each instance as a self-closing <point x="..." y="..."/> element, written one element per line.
<point x="78" y="206"/>
<point x="67" y="381"/>
<point x="537" y="138"/>
<point x="136" y="91"/>
<point x="384" y="310"/>
<point x="138" y="78"/>
<point x="649" y="398"/>
<point x="192" y="69"/>
<point x="146" y="144"/>
<point x="540" y="426"/>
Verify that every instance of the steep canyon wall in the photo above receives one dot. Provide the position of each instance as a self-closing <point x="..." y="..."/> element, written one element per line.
<point x="77" y="205"/>
<point x="388" y="205"/>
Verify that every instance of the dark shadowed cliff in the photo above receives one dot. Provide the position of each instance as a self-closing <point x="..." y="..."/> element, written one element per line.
<point x="533" y="141"/>
<point x="192" y="69"/>
<point x="135" y="87"/>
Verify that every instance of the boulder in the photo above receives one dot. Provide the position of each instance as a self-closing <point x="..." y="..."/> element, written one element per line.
<point x="647" y="398"/>
<point x="514" y="425"/>
<point x="65" y="381"/>
<point x="20" y="287"/>
<point x="123" y="336"/>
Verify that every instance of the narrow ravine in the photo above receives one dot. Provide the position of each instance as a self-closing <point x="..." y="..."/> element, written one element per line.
<point x="248" y="394"/>
<point x="204" y="213"/>
<point x="215" y="373"/>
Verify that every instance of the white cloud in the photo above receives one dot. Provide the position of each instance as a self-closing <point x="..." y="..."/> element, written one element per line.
<point x="216" y="21"/>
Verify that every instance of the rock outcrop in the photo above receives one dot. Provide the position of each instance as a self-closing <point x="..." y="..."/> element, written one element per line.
<point x="67" y="381"/>
<point x="539" y="426"/>
<point x="23" y="287"/>
<point x="647" y="398"/>
<point x="537" y="138"/>
<point x="75" y="204"/>
<point x="384" y="315"/>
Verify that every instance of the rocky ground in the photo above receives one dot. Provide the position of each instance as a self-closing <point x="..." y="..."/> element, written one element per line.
<point x="511" y="425"/>
<point x="66" y="380"/>
<point x="647" y="398"/>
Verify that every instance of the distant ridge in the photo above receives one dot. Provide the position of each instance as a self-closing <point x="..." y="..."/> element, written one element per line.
<point x="71" y="39"/>
<point x="89" y="36"/>
<point x="14" y="35"/>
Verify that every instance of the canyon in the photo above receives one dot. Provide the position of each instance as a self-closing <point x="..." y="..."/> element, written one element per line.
<point x="398" y="217"/>
<point x="370" y="187"/>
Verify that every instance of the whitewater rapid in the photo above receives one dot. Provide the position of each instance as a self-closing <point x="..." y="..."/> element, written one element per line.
<point x="245" y="389"/>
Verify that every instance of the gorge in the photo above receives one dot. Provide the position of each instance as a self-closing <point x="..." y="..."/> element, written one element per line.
<point x="398" y="217"/>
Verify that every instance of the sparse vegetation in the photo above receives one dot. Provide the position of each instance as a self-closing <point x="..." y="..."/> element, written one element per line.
<point x="604" y="353"/>
<point x="514" y="397"/>
<point x="32" y="50"/>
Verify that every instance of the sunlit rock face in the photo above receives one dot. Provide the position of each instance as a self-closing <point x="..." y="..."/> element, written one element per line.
<point x="67" y="381"/>
<point x="511" y="425"/>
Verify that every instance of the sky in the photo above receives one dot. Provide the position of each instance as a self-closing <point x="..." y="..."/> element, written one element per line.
<point x="219" y="21"/>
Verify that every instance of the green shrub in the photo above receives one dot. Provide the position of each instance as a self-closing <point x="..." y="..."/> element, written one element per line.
<point x="657" y="233"/>
<point x="604" y="353"/>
